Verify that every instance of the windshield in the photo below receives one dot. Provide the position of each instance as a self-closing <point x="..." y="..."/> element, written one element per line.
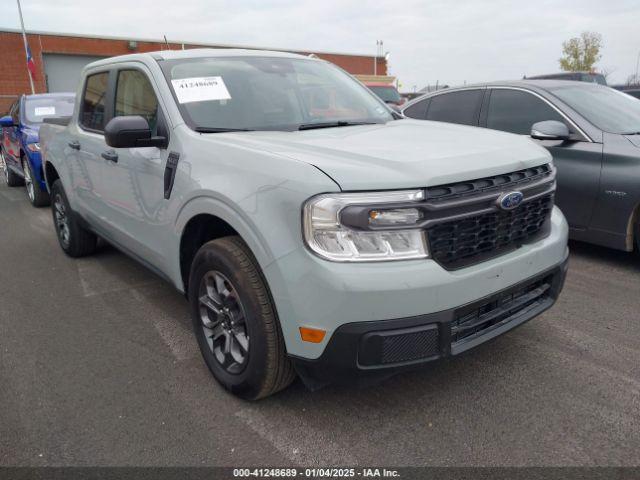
<point x="38" y="108"/>
<point x="608" y="109"/>
<point x="387" y="94"/>
<point x="268" y="93"/>
<point x="594" y="78"/>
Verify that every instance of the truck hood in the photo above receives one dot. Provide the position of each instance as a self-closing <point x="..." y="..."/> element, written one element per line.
<point x="401" y="154"/>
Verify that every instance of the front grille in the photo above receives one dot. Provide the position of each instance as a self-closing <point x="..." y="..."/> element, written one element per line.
<point x="499" y="310"/>
<point x="488" y="184"/>
<point x="463" y="242"/>
<point x="409" y="346"/>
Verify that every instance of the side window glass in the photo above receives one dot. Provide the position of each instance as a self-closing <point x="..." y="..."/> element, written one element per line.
<point x="417" y="110"/>
<point x="93" y="101"/>
<point x="456" y="107"/>
<point x="135" y="96"/>
<point x="515" y="111"/>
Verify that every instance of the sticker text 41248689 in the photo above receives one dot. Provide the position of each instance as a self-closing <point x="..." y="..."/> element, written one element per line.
<point x="200" y="89"/>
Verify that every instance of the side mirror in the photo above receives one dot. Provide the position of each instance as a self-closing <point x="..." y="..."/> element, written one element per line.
<point x="131" y="132"/>
<point x="7" y="121"/>
<point x="550" y="130"/>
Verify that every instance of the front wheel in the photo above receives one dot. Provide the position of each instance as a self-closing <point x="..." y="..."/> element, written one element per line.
<point x="235" y="321"/>
<point x="37" y="197"/>
<point x="73" y="238"/>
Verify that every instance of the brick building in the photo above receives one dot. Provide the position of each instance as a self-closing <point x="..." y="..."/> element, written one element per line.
<point x="59" y="56"/>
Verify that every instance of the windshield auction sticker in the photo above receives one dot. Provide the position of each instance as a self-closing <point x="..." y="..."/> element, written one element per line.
<point x="42" y="111"/>
<point x="200" y="89"/>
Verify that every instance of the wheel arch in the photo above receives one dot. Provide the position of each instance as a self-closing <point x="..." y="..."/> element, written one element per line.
<point x="50" y="174"/>
<point x="633" y="229"/>
<point x="204" y="219"/>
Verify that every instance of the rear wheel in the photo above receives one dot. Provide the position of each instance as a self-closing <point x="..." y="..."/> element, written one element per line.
<point x="235" y="321"/>
<point x="11" y="177"/>
<point x="37" y="197"/>
<point x="73" y="238"/>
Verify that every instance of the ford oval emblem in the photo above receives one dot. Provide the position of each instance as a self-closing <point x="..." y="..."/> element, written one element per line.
<point x="509" y="201"/>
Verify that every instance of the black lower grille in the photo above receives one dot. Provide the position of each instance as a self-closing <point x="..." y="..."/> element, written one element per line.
<point x="463" y="242"/>
<point x="399" y="346"/>
<point x="499" y="310"/>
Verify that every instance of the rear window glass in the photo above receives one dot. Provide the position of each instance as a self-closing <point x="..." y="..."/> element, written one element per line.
<point x="456" y="107"/>
<point x="417" y="110"/>
<point x="37" y="109"/>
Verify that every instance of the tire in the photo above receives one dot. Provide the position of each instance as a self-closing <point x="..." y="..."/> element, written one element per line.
<point x="11" y="177"/>
<point x="74" y="240"/>
<point x="255" y="364"/>
<point x="36" y="196"/>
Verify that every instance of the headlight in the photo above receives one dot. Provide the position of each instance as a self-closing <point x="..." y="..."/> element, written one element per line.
<point x="34" y="147"/>
<point x="328" y="237"/>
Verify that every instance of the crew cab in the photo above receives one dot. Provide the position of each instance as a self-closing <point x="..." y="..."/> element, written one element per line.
<point x="20" y="149"/>
<point x="336" y="240"/>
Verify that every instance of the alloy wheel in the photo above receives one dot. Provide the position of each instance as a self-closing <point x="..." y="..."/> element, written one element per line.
<point x="223" y="322"/>
<point x="28" y="181"/>
<point x="62" y="221"/>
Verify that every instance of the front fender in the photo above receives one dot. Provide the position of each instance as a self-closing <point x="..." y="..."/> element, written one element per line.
<point x="239" y="221"/>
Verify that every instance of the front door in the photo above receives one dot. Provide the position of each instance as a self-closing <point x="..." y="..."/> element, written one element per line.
<point x="134" y="178"/>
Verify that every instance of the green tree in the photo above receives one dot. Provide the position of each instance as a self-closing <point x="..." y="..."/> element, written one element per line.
<point x="581" y="53"/>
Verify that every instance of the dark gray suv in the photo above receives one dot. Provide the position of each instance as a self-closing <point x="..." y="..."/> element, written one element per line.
<point x="592" y="131"/>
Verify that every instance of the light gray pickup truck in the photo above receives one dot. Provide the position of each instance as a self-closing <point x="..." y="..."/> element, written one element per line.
<point x="313" y="230"/>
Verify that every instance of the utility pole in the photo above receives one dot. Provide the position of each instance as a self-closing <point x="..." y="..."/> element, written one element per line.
<point x="26" y="46"/>
<point x="379" y="49"/>
<point x="637" y="65"/>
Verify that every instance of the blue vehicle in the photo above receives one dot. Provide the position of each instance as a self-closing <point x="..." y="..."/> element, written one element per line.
<point x="20" y="148"/>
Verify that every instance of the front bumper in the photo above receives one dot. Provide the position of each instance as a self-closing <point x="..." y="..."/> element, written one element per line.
<point x="381" y="348"/>
<point x="311" y="292"/>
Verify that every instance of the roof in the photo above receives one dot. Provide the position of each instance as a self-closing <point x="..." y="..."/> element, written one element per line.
<point x="51" y="95"/>
<point x="543" y="84"/>
<point x="199" y="53"/>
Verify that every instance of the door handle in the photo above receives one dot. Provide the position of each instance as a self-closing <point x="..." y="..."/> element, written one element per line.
<point x="75" y="145"/>
<point x="110" y="155"/>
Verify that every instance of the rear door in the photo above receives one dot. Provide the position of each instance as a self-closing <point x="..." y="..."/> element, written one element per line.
<point x="87" y="143"/>
<point x="579" y="161"/>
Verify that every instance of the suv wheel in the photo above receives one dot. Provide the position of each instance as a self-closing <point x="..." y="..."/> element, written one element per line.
<point x="235" y="321"/>
<point x="37" y="197"/>
<point x="11" y="177"/>
<point x="73" y="238"/>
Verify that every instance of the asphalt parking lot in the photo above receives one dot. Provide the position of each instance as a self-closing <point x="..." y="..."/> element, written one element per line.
<point x="98" y="366"/>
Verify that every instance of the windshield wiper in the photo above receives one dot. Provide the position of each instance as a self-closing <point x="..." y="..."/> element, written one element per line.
<point x="340" y="123"/>
<point x="221" y="130"/>
<point x="631" y="133"/>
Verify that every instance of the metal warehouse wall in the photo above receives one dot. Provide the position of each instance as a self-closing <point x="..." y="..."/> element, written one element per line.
<point x="14" y="78"/>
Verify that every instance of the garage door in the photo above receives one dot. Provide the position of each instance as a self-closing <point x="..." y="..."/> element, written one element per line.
<point x="63" y="71"/>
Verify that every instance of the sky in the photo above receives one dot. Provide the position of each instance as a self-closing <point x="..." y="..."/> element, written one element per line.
<point x="429" y="41"/>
